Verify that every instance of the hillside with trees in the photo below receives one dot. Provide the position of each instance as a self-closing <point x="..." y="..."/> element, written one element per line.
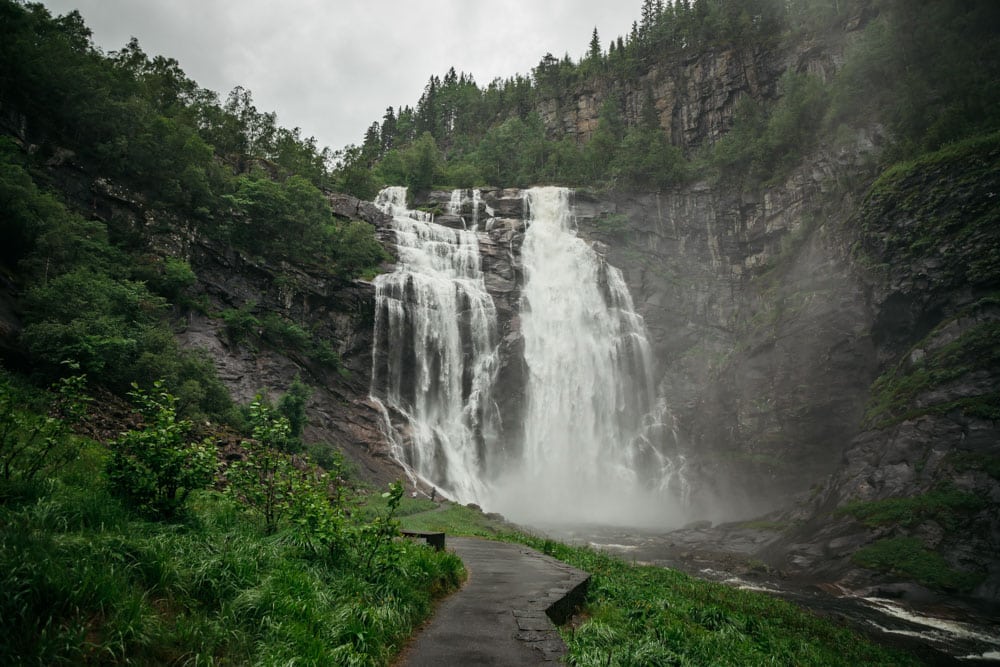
<point x="906" y="72"/>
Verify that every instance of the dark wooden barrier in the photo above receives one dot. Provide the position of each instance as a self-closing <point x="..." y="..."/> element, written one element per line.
<point x="436" y="540"/>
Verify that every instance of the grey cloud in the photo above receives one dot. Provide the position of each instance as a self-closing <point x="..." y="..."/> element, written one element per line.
<point x="332" y="68"/>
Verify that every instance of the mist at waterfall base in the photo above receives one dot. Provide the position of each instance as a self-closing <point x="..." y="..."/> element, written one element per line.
<point x="589" y="446"/>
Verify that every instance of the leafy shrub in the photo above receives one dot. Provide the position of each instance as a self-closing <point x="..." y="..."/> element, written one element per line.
<point x="169" y="277"/>
<point x="240" y="323"/>
<point x="292" y="406"/>
<point x="155" y="469"/>
<point x="33" y="443"/>
<point x="266" y="481"/>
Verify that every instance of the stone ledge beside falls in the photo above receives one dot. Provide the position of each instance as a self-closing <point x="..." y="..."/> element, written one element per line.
<point x="537" y="623"/>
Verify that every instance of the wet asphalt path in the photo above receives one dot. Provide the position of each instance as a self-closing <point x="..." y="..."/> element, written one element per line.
<point x="499" y="616"/>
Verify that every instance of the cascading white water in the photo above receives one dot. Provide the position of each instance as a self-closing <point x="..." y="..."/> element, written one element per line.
<point x="584" y="458"/>
<point x="587" y="451"/>
<point x="434" y="360"/>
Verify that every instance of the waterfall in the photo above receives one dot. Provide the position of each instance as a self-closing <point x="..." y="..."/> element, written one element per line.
<point x="587" y="450"/>
<point x="434" y="359"/>
<point x="584" y="457"/>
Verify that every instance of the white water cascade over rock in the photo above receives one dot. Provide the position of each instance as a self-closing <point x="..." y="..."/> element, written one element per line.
<point x="584" y="457"/>
<point x="583" y="447"/>
<point x="435" y="351"/>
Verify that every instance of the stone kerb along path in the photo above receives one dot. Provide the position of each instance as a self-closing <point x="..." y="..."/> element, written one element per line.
<point x="504" y="614"/>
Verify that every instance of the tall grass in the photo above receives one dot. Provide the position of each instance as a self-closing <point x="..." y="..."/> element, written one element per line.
<point x="83" y="581"/>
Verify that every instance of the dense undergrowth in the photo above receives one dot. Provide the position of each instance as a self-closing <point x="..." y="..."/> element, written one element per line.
<point x="126" y="554"/>
<point x="643" y="615"/>
<point x="82" y="581"/>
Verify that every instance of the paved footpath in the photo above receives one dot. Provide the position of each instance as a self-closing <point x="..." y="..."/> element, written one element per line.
<point x="499" y="616"/>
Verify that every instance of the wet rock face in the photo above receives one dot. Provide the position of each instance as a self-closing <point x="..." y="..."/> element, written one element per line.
<point x="930" y="430"/>
<point x="339" y="412"/>
<point x="696" y="95"/>
<point x="757" y="323"/>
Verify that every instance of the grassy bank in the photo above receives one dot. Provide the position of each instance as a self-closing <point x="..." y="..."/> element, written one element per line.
<point x="84" y="581"/>
<point x="640" y="615"/>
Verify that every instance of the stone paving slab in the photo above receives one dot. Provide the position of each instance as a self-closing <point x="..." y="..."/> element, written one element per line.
<point x="502" y="614"/>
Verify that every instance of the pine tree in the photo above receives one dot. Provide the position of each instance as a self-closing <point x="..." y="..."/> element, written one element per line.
<point x="595" y="47"/>
<point x="388" y="130"/>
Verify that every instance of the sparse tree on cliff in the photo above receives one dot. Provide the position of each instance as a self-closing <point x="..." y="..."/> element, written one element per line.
<point x="595" y="47"/>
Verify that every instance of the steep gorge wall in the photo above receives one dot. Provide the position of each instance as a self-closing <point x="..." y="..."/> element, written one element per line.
<point x="759" y="323"/>
<point x="695" y="94"/>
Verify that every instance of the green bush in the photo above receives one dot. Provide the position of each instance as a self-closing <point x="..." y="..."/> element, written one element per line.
<point x="155" y="469"/>
<point x="35" y="435"/>
<point x="241" y="324"/>
<point x="266" y="480"/>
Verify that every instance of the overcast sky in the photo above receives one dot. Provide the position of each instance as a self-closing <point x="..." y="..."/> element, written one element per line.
<point x="332" y="67"/>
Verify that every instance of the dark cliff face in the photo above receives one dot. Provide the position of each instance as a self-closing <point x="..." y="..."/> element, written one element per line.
<point x="340" y="415"/>
<point x="928" y="241"/>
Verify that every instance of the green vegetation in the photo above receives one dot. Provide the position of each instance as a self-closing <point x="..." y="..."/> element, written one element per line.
<point x="767" y="141"/>
<point x="989" y="464"/>
<point x="907" y="557"/>
<point x="928" y="85"/>
<point x="154" y="469"/>
<point x="640" y="615"/>
<point x="895" y="394"/>
<point x="650" y="615"/>
<point x="938" y="207"/>
<point x="33" y="443"/>
<point x="152" y="567"/>
<point x="921" y="73"/>
<point x="129" y="553"/>
<point x="457" y="519"/>
<point x="243" y="326"/>
<point x="946" y="505"/>
<point x="226" y="168"/>
<point x="98" y="287"/>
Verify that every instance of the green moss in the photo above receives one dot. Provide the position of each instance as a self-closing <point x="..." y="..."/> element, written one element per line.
<point x="946" y="505"/>
<point x="988" y="463"/>
<point x="907" y="557"/>
<point x="894" y="393"/>
<point x="941" y="207"/>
